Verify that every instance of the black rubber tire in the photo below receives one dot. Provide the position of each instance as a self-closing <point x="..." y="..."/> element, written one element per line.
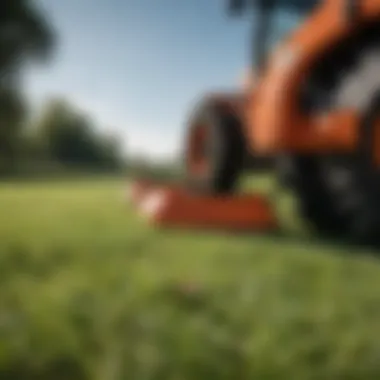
<point x="366" y="224"/>
<point x="340" y="196"/>
<point x="353" y="212"/>
<point x="304" y="176"/>
<point x="225" y="150"/>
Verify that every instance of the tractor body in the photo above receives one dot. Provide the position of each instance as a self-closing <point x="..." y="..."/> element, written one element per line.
<point x="312" y="102"/>
<point x="274" y="118"/>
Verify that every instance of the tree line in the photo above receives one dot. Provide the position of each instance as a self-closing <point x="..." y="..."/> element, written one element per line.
<point x="62" y="136"/>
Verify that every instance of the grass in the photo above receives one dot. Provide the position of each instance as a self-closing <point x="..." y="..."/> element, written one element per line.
<point x="89" y="291"/>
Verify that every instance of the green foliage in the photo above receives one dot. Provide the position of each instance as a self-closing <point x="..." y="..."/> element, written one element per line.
<point x="89" y="291"/>
<point x="64" y="139"/>
<point x="68" y="137"/>
<point x="25" y="35"/>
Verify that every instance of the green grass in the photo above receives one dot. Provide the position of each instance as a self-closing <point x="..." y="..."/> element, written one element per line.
<point x="89" y="291"/>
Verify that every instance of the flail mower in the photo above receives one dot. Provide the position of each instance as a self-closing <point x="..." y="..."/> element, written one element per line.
<point x="311" y="105"/>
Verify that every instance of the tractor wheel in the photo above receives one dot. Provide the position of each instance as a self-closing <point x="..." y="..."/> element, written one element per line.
<point x="214" y="150"/>
<point x="340" y="195"/>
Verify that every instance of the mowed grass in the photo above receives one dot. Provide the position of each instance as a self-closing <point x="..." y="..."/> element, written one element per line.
<point x="89" y="291"/>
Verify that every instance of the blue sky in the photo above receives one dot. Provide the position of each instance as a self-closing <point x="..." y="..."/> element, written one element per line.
<point x="138" y="66"/>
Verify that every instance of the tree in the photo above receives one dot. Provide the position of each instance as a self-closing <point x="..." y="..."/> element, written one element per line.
<point x="69" y="137"/>
<point x="12" y="112"/>
<point x="25" y="36"/>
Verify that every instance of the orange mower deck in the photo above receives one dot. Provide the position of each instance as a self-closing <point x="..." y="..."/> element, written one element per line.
<point x="172" y="206"/>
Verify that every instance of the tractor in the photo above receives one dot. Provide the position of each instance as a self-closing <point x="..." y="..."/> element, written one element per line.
<point x="310" y="106"/>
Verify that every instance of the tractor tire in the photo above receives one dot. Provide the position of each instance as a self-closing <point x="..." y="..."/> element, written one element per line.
<point x="339" y="196"/>
<point x="214" y="150"/>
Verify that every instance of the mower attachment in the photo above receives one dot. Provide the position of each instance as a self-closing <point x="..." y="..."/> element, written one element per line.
<point x="172" y="206"/>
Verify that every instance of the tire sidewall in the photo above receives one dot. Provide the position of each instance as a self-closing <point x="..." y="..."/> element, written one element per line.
<point x="222" y="146"/>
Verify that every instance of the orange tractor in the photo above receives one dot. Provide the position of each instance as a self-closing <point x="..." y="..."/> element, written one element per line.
<point x="311" y="105"/>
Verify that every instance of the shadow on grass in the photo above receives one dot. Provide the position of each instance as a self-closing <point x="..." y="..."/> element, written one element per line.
<point x="288" y="239"/>
<point x="331" y="244"/>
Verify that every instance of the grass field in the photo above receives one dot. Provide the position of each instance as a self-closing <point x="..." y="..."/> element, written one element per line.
<point x="88" y="291"/>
